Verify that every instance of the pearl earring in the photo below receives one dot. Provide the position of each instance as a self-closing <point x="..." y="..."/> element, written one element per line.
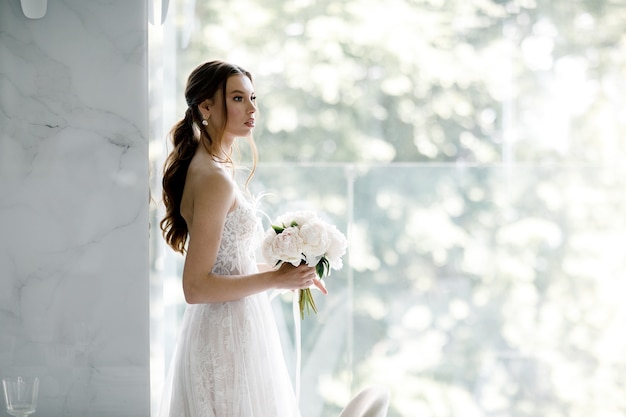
<point x="205" y="123"/>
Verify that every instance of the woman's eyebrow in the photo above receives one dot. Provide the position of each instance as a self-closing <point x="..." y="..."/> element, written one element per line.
<point x="239" y="92"/>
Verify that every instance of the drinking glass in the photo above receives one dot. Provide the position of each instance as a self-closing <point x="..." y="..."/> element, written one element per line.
<point x="20" y="395"/>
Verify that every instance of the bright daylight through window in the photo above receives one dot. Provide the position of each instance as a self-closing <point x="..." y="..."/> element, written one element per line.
<point x="472" y="151"/>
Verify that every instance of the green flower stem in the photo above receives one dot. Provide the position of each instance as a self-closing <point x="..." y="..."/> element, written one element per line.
<point x="306" y="303"/>
<point x="306" y="297"/>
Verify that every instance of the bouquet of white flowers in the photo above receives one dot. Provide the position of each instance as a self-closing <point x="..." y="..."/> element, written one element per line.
<point x="302" y="237"/>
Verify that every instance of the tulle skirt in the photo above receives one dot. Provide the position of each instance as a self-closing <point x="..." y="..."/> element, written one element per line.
<point x="229" y="363"/>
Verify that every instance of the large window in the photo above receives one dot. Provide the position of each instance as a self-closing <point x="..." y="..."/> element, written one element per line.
<point x="473" y="151"/>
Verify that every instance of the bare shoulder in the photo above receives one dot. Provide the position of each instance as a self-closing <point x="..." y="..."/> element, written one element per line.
<point x="209" y="178"/>
<point x="208" y="189"/>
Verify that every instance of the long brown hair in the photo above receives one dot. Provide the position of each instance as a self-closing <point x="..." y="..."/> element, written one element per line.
<point x="203" y="83"/>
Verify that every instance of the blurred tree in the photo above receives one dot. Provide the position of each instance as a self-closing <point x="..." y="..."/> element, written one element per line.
<point x="476" y="146"/>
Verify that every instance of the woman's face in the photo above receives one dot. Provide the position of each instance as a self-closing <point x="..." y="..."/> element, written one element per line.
<point x="240" y="107"/>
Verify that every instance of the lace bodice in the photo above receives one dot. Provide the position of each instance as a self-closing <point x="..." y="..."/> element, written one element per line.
<point x="240" y="239"/>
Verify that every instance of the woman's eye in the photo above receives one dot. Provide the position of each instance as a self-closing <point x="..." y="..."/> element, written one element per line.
<point x="239" y="99"/>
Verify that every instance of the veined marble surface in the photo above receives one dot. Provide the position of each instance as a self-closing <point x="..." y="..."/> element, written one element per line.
<point x="74" y="205"/>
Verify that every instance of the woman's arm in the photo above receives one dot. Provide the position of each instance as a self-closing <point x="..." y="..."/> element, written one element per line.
<point x="213" y="197"/>
<point x="263" y="267"/>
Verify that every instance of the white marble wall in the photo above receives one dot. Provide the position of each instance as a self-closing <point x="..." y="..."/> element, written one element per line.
<point x="74" y="205"/>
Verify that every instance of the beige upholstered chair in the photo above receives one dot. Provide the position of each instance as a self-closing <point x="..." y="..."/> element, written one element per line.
<point x="371" y="402"/>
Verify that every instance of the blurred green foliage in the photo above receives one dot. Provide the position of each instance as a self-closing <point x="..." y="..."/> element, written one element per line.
<point x="423" y="81"/>
<point x="472" y="150"/>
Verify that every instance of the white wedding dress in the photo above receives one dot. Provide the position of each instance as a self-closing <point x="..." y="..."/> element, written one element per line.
<point x="228" y="361"/>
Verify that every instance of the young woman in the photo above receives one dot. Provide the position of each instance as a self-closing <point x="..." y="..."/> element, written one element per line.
<point x="228" y="361"/>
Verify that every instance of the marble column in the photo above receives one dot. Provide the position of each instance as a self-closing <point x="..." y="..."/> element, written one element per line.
<point x="74" y="205"/>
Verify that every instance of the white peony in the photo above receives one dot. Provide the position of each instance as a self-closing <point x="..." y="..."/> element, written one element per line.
<point x="298" y="217"/>
<point x="283" y="247"/>
<point x="337" y="247"/>
<point x="315" y="241"/>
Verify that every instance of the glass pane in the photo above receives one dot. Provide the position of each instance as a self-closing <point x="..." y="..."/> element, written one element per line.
<point x="473" y="153"/>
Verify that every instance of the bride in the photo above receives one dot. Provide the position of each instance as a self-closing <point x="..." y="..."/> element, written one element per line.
<point x="228" y="360"/>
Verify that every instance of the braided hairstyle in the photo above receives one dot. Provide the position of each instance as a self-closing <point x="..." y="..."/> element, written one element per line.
<point x="203" y="83"/>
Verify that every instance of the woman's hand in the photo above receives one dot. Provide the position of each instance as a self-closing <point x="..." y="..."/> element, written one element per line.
<point x="297" y="278"/>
